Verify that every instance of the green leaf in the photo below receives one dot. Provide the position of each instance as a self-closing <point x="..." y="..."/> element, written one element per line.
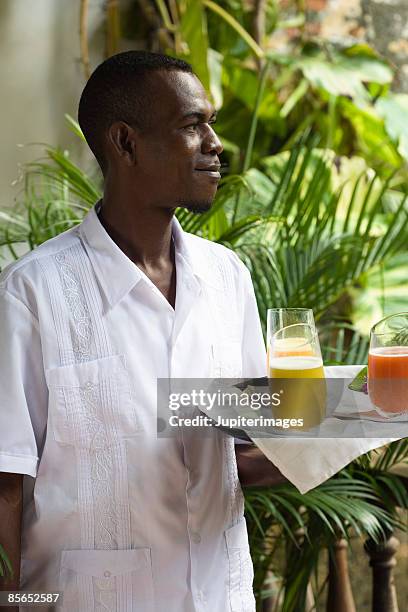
<point x="74" y="126"/>
<point x="5" y="565"/>
<point x="193" y="29"/>
<point x="372" y="137"/>
<point x="394" y="110"/>
<point x="228" y="18"/>
<point x="241" y="228"/>
<point x="297" y="94"/>
<point x="360" y="381"/>
<point x="382" y="291"/>
<point x="241" y="81"/>
<point x="345" y="76"/>
<point x="214" y="63"/>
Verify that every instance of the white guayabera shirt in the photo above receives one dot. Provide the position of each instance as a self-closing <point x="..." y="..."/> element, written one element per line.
<point x="114" y="517"/>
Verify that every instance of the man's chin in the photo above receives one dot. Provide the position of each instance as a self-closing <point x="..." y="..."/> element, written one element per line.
<point x="196" y="206"/>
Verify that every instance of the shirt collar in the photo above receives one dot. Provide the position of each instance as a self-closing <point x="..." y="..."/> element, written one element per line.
<point x="108" y="259"/>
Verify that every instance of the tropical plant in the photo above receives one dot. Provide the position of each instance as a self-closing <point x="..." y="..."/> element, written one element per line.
<point x="5" y="565"/>
<point x="303" y="245"/>
<point x="289" y="531"/>
<point x="360" y="500"/>
<point x="54" y="196"/>
<point x="342" y="93"/>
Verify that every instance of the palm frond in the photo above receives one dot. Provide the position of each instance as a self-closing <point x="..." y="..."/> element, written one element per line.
<point x="5" y="565"/>
<point x="342" y="344"/>
<point x="62" y="172"/>
<point x="56" y="194"/>
<point x="349" y="504"/>
<point x="394" y="454"/>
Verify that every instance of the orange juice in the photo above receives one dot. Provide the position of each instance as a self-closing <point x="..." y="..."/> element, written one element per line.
<point x="388" y="378"/>
<point x="304" y="393"/>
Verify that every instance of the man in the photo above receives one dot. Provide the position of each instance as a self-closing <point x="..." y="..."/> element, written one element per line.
<point x="112" y="516"/>
<point x="116" y="517"/>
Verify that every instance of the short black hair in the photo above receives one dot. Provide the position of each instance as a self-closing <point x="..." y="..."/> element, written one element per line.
<point x="118" y="90"/>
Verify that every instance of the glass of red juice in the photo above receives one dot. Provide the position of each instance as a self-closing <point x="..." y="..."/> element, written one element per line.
<point x="388" y="364"/>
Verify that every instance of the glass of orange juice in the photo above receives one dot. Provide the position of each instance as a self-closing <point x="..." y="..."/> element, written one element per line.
<point x="294" y="355"/>
<point x="388" y="364"/>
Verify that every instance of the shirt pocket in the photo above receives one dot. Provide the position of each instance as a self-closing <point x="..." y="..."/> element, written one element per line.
<point x="112" y="580"/>
<point x="241" y="573"/>
<point x="90" y="403"/>
<point x="227" y="359"/>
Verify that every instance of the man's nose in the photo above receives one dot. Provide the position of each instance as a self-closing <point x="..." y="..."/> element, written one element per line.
<point x="211" y="142"/>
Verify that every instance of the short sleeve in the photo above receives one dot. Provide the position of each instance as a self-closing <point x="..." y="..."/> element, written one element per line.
<point x="23" y="390"/>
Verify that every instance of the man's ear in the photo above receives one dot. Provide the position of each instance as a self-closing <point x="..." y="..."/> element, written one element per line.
<point x="122" y="138"/>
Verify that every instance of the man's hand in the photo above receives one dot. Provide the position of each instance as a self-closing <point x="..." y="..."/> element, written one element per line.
<point x="254" y="469"/>
<point x="11" y="504"/>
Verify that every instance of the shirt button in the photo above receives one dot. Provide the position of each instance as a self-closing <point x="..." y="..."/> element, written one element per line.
<point x="107" y="574"/>
<point x="196" y="538"/>
<point x="200" y="596"/>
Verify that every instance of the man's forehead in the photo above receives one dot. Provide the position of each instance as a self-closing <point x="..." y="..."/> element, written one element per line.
<point x="181" y="93"/>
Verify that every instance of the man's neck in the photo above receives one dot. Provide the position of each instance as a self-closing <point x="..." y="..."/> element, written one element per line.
<point x="143" y="234"/>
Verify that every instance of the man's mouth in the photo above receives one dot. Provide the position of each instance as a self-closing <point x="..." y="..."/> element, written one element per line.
<point x="213" y="170"/>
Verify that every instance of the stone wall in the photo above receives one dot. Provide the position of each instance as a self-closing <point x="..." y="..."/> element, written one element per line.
<point x="381" y="23"/>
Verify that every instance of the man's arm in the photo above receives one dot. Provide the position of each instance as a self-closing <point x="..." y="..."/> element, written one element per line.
<point x="254" y="469"/>
<point x="11" y="505"/>
<point x="23" y="412"/>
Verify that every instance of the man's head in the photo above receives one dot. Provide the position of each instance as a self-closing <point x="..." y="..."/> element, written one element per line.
<point x="147" y="119"/>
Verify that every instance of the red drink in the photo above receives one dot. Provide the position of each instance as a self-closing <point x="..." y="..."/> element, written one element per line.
<point x="388" y="378"/>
